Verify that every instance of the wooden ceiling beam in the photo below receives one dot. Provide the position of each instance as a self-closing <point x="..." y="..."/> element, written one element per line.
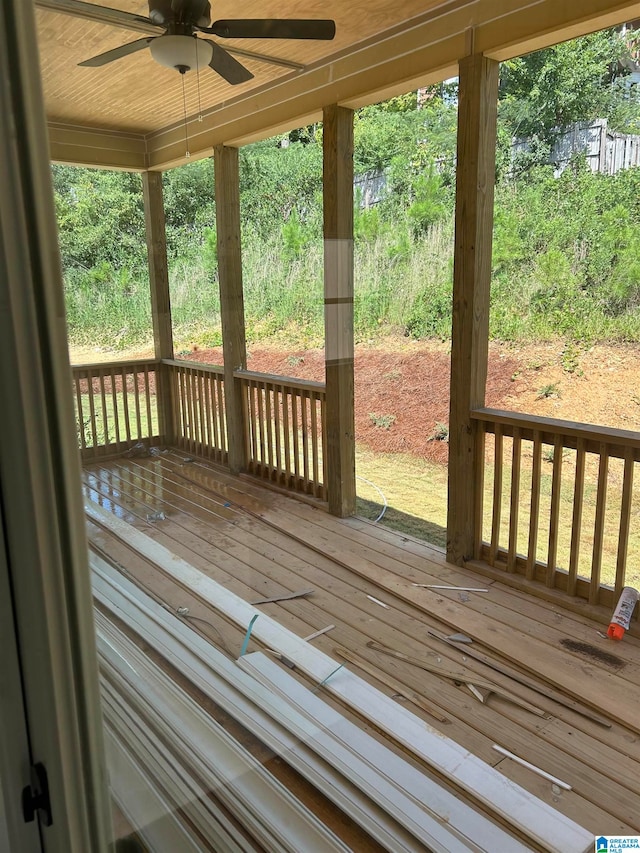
<point x="78" y="146"/>
<point x="554" y="22"/>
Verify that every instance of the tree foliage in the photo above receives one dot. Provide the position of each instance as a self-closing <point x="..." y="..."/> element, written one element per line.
<point x="577" y="80"/>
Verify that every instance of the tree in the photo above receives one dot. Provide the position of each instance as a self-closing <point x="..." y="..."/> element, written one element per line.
<point x="577" y="80"/>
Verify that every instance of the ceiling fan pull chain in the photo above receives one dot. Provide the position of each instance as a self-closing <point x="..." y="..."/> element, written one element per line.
<point x="187" y="153"/>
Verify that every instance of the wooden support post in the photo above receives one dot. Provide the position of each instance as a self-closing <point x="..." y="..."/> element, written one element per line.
<point x="338" y="310"/>
<point x="160" y="300"/>
<point x="231" y="299"/>
<point x="477" y="110"/>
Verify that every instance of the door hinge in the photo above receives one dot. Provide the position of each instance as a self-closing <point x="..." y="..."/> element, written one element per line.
<point x="35" y="797"/>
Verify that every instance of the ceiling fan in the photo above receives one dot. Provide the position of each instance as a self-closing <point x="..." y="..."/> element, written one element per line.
<point x="179" y="47"/>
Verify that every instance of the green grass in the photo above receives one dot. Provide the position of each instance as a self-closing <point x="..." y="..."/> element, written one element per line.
<point x="416" y="494"/>
<point x="105" y="428"/>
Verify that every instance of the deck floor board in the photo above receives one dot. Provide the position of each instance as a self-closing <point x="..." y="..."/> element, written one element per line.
<point x="260" y="543"/>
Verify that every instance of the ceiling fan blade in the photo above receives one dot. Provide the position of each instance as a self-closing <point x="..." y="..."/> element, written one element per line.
<point x="263" y="57"/>
<point x="100" y="14"/>
<point x="228" y="67"/>
<point x="274" y="28"/>
<point x="117" y="52"/>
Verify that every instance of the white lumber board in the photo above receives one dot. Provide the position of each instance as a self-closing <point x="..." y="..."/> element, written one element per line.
<point x="217" y="676"/>
<point x="378" y="758"/>
<point x="537" y="820"/>
<point x="271" y="813"/>
<point x="166" y="770"/>
<point x="145" y="809"/>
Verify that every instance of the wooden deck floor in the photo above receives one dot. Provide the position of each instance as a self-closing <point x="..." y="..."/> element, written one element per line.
<point x="260" y="544"/>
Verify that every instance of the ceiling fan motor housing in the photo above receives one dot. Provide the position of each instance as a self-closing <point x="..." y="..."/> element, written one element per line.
<point x="165" y="12"/>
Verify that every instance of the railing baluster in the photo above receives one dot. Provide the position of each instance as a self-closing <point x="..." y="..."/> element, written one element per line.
<point x="83" y="441"/>
<point x="305" y="438"/>
<point x="182" y="392"/>
<point x="576" y="522"/>
<point x="253" y="424"/>
<point x="479" y="474"/>
<point x="286" y="402"/>
<point x="497" y="496"/>
<point x="222" y="414"/>
<point x="598" y="529"/>
<point x="211" y="385"/>
<point x="323" y="413"/>
<point x="269" y="425"/>
<point x="103" y="403"/>
<point x="625" y="520"/>
<point x="534" y="514"/>
<point x="147" y="397"/>
<point x="295" y="399"/>
<point x="92" y="413"/>
<point x="201" y="404"/>
<point x="125" y="398"/>
<point x="554" y="514"/>
<point x="116" y="416"/>
<point x="206" y="387"/>
<point x="314" y="440"/>
<point x="191" y="411"/>
<point x="136" y="397"/>
<point x="278" y="401"/>
<point x="261" y="426"/>
<point x="516" y="462"/>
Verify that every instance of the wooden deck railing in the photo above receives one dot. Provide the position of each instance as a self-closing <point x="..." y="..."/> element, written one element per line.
<point x="558" y="502"/>
<point x="285" y="431"/>
<point x="284" y="419"/>
<point x="115" y="406"/>
<point x="199" y="423"/>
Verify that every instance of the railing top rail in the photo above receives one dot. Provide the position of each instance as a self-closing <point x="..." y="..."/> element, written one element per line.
<point x="276" y="379"/>
<point x="116" y="365"/>
<point x="572" y="429"/>
<point x="194" y="365"/>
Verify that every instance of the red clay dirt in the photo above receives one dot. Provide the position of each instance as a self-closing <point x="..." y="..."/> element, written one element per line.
<point x="402" y="386"/>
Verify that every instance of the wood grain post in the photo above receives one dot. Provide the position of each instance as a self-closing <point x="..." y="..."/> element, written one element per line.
<point x="160" y="299"/>
<point x="231" y="299"/>
<point x="477" y="111"/>
<point x="338" y="310"/>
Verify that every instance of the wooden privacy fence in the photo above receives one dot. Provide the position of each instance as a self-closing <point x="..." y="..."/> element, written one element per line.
<point x="199" y="422"/>
<point x="285" y="431"/>
<point x="557" y="502"/>
<point x="115" y="406"/>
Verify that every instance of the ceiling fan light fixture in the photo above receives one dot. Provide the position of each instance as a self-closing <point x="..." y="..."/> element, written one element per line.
<point x="181" y="52"/>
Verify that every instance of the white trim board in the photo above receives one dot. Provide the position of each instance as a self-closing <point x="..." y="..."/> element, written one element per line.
<point x="144" y="807"/>
<point x="167" y="774"/>
<point x="272" y="814"/>
<point x="436" y="816"/>
<point x="534" y="818"/>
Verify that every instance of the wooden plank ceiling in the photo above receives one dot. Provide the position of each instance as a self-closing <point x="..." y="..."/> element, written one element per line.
<point x="133" y="108"/>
